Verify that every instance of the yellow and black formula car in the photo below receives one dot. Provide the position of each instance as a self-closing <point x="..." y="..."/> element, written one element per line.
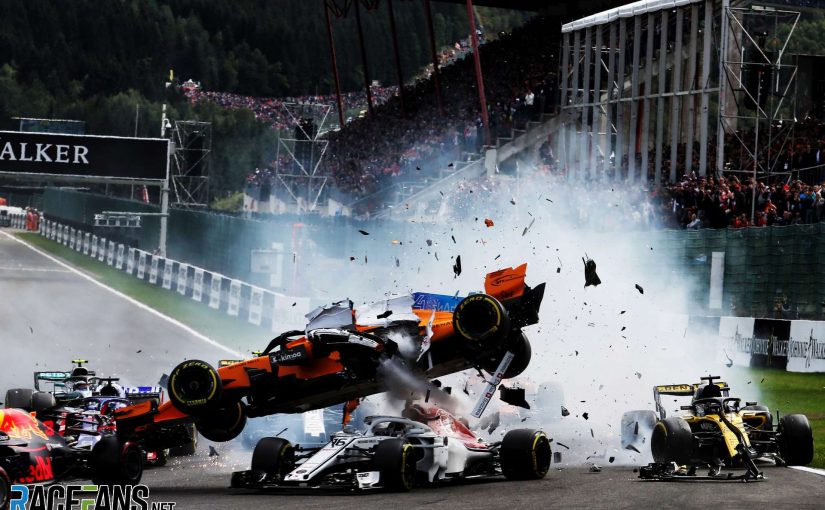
<point x="716" y="431"/>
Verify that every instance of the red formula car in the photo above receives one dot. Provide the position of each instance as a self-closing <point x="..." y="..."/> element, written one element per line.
<point x="344" y="354"/>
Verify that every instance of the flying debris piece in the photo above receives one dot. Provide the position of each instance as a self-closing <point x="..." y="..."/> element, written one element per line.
<point x="395" y="241"/>
<point x="497" y="256"/>
<point x="384" y="315"/>
<point x="31" y="330"/>
<point x="624" y="328"/>
<point x="418" y="168"/>
<point x="562" y="445"/>
<point x="611" y="459"/>
<point x="397" y="262"/>
<point x="295" y="303"/>
<point x="730" y="361"/>
<point x="638" y="375"/>
<point x="488" y="222"/>
<point x="465" y="390"/>
<point x="450" y="165"/>
<point x="631" y="447"/>
<point x="351" y="259"/>
<point x="564" y="411"/>
<point x="364" y="232"/>
<point x="528" y="227"/>
<point x="139" y="351"/>
<point x="558" y="270"/>
<point x="640" y="289"/>
<point x="494" y="423"/>
<point x="442" y="193"/>
<point x="365" y="259"/>
<point x="549" y="200"/>
<point x="513" y="396"/>
<point x="595" y="468"/>
<point x="513" y="200"/>
<point x="763" y="380"/>
<point x="457" y="266"/>
<point x="586" y="416"/>
<point x="592" y="434"/>
<point x="164" y="379"/>
<point x="213" y="452"/>
<point x="453" y="237"/>
<point x="622" y="312"/>
<point x="429" y="242"/>
<point x="590" y="276"/>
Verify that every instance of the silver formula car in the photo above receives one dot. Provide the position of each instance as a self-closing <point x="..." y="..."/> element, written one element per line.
<point x="427" y="445"/>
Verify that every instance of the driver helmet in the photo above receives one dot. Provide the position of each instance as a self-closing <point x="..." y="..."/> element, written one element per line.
<point x="111" y="390"/>
<point x="708" y="391"/>
<point x="82" y="387"/>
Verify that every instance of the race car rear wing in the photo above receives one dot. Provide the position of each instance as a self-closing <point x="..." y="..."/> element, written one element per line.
<point x="141" y="393"/>
<point x="56" y="378"/>
<point x="680" y="390"/>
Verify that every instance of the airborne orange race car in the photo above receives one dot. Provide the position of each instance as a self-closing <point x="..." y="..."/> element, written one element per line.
<point x="343" y="355"/>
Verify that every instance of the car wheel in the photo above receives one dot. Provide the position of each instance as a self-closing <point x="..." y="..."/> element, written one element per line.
<point x="5" y="490"/>
<point x="273" y="456"/>
<point x="519" y="345"/>
<point x="636" y="427"/>
<point x="481" y="318"/>
<point x="672" y="441"/>
<point x="195" y="387"/>
<point x="42" y="400"/>
<point x="19" y="398"/>
<point x="796" y="442"/>
<point x="395" y="460"/>
<point x="223" y="424"/>
<point x="115" y="463"/>
<point x="525" y="454"/>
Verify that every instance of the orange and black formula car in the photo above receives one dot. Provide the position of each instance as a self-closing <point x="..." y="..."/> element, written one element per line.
<point x="344" y="354"/>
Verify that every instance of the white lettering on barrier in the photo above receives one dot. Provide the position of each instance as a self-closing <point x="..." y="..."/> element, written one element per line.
<point x="183" y="273"/>
<point x="130" y="261"/>
<point x="101" y="250"/>
<point x="119" y="262"/>
<point x="197" y="285"/>
<point x="110" y="255"/>
<point x="141" y="265"/>
<point x="153" y="271"/>
<point x="215" y="291"/>
<point x="167" y="274"/>
<point x="234" y="298"/>
<point x="256" y="306"/>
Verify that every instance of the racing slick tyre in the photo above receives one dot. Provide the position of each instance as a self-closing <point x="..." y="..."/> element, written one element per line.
<point x="395" y="460"/>
<point x="116" y="463"/>
<point x="796" y="442"/>
<point x="525" y="454"/>
<point x="672" y="441"/>
<point x="195" y="387"/>
<point x="42" y="400"/>
<point x="481" y="318"/>
<point x="19" y="398"/>
<point x="519" y="345"/>
<point x="636" y="427"/>
<point x="223" y="424"/>
<point x="5" y="490"/>
<point x="274" y="456"/>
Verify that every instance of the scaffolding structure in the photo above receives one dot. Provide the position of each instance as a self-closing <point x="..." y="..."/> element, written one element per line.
<point x="298" y="169"/>
<point x="190" y="172"/>
<point x="761" y="77"/>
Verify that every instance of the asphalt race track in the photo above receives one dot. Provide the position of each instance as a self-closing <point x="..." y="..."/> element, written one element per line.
<point x="50" y="315"/>
<point x="201" y="482"/>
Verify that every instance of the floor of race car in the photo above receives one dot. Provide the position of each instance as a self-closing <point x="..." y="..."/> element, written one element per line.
<point x="201" y="482"/>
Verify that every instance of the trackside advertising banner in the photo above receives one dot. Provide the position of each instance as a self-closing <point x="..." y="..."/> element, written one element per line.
<point x="792" y="345"/>
<point x="52" y="154"/>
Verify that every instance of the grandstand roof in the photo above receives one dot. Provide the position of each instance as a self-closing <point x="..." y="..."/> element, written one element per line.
<point x="624" y="11"/>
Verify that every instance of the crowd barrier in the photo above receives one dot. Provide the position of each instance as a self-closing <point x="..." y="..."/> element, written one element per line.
<point x="260" y="307"/>
<point x="791" y="345"/>
<point x="18" y="220"/>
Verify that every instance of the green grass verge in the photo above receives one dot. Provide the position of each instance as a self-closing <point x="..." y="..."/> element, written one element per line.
<point x="791" y="393"/>
<point x="231" y="332"/>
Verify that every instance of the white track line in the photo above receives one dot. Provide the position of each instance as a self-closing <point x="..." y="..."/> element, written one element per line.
<point x="820" y="472"/>
<point x="135" y="302"/>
